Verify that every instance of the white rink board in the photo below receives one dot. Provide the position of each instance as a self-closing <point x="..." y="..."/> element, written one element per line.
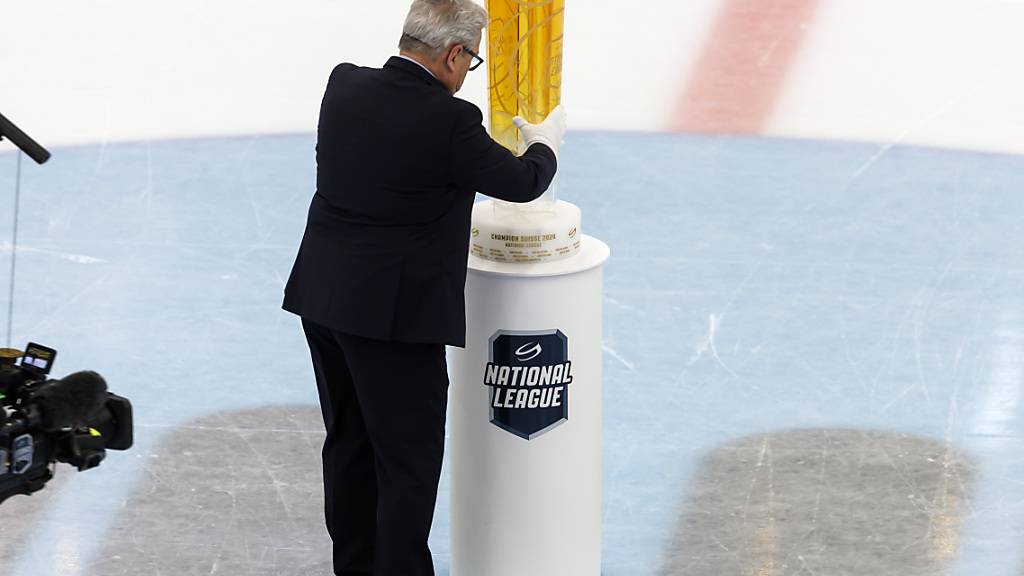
<point x="912" y="72"/>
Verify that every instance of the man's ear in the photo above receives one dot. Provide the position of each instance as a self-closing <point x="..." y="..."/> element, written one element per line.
<point x="452" y="55"/>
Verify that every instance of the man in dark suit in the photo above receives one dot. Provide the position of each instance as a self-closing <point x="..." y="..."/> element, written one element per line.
<point x="380" y="275"/>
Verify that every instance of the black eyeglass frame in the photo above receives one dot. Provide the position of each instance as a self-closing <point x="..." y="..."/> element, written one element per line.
<point x="476" y="57"/>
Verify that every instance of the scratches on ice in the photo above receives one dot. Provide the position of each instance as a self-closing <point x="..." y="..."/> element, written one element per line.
<point x="611" y="352"/>
<point x="708" y="345"/>
<point x="6" y="248"/>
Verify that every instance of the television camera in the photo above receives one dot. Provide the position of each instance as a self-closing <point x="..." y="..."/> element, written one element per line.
<point x="44" y="421"/>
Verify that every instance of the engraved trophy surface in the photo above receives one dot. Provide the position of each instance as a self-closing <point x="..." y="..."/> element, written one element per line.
<point x="525" y="65"/>
<point x="524" y="40"/>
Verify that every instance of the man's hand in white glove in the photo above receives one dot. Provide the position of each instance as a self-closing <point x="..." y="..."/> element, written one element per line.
<point x="549" y="132"/>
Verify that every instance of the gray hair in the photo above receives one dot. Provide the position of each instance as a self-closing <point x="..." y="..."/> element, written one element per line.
<point x="433" y="26"/>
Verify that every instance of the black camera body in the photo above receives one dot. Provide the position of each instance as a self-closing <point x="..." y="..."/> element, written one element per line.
<point x="44" y="421"/>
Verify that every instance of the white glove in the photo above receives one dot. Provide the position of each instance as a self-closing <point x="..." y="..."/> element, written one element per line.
<point x="548" y="132"/>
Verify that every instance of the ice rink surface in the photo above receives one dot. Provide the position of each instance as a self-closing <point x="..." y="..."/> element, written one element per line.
<point x="813" y="356"/>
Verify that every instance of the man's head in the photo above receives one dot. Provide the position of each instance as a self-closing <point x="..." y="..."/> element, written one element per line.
<point x="443" y="35"/>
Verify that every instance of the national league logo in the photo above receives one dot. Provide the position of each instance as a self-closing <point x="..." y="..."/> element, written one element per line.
<point x="528" y="375"/>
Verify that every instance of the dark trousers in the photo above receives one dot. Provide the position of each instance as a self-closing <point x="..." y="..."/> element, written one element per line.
<point x="384" y="408"/>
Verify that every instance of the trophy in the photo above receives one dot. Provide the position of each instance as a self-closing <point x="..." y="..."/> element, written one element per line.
<point x="529" y="463"/>
<point x="525" y="72"/>
<point x="524" y="79"/>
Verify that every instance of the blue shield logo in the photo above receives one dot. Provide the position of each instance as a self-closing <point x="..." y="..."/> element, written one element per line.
<point x="528" y="374"/>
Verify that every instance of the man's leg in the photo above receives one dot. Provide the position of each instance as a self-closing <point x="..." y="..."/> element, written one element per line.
<point x="403" y="393"/>
<point x="350" y="479"/>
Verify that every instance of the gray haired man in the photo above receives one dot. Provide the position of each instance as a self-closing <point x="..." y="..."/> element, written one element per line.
<point x="380" y="276"/>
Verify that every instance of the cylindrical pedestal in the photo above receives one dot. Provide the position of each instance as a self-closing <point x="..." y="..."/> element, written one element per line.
<point x="525" y="419"/>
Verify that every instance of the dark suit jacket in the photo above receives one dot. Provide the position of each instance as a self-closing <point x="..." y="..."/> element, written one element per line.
<point x="399" y="161"/>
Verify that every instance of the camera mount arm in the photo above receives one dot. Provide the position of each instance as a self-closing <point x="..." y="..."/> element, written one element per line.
<point x="23" y="141"/>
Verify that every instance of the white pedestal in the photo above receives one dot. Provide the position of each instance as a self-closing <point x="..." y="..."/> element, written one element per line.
<point x="525" y="419"/>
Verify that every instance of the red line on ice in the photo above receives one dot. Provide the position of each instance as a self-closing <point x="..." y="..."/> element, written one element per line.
<point x="743" y="67"/>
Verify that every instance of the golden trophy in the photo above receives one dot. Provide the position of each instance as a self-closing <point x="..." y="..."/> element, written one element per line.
<point x="525" y="65"/>
<point x="524" y="42"/>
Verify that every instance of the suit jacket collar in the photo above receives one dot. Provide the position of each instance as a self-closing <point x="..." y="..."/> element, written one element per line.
<point x="404" y="66"/>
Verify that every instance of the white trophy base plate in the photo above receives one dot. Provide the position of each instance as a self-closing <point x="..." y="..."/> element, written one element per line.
<point x="505" y="232"/>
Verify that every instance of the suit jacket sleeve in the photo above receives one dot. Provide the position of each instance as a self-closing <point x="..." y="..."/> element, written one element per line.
<point x="482" y="165"/>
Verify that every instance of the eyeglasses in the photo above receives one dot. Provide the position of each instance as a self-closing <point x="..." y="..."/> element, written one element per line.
<point x="477" y="60"/>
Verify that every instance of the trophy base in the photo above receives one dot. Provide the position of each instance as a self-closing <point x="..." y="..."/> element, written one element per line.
<point x="504" y="232"/>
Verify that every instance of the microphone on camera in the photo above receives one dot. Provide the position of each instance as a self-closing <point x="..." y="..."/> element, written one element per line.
<point x="72" y="401"/>
<point x="23" y="141"/>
